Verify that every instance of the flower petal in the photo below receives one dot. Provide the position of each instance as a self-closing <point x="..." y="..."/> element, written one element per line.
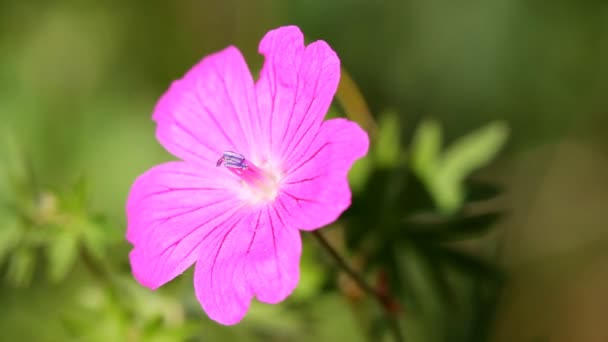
<point x="220" y="282"/>
<point x="210" y="110"/>
<point x="171" y="209"/>
<point x="274" y="258"/>
<point x="257" y="256"/>
<point x="295" y="90"/>
<point x="315" y="191"/>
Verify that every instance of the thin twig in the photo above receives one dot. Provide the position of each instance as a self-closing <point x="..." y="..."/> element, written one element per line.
<point x="379" y="297"/>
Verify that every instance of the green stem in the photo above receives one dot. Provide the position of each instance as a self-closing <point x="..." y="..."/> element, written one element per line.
<point x="379" y="297"/>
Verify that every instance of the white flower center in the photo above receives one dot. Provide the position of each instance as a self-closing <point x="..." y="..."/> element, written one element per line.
<point x="258" y="184"/>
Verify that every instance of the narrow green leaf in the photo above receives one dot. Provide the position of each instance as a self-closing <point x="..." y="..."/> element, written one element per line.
<point x="387" y="148"/>
<point x="420" y="288"/>
<point x="453" y="229"/>
<point x="474" y="150"/>
<point x="11" y="233"/>
<point x="471" y="226"/>
<point x="61" y="253"/>
<point x="21" y="266"/>
<point x="460" y="159"/>
<point x="469" y="263"/>
<point x="426" y="148"/>
<point x="96" y="235"/>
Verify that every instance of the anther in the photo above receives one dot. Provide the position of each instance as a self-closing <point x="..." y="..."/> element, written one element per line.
<point x="259" y="184"/>
<point x="232" y="160"/>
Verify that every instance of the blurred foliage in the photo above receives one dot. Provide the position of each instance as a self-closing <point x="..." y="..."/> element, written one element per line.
<point x="43" y="227"/>
<point x="399" y="221"/>
<point x="78" y="80"/>
<point x="443" y="174"/>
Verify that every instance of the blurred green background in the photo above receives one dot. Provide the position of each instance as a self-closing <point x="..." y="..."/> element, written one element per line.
<point x="79" y="79"/>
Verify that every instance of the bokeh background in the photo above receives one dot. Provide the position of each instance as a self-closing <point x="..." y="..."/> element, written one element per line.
<point x="79" y="79"/>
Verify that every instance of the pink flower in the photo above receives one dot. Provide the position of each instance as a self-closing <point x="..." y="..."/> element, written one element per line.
<point x="259" y="163"/>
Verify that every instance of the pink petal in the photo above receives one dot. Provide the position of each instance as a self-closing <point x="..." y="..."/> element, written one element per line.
<point x="274" y="257"/>
<point x="171" y="210"/>
<point x="210" y="110"/>
<point x="258" y="256"/>
<point x="315" y="191"/>
<point x="295" y="90"/>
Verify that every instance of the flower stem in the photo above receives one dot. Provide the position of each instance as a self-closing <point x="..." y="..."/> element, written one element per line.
<point x="379" y="297"/>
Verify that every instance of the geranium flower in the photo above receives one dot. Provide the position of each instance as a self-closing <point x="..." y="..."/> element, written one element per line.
<point x="259" y="163"/>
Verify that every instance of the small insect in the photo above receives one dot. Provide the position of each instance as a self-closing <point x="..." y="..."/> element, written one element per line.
<point x="232" y="160"/>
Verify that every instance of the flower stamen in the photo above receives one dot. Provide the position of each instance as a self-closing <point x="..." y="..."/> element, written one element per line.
<point x="232" y="160"/>
<point x="262" y="184"/>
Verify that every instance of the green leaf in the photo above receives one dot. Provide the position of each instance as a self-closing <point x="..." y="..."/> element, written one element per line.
<point x="474" y="150"/>
<point x="21" y="266"/>
<point x="444" y="174"/>
<point x="460" y="159"/>
<point x="453" y="229"/>
<point x="61" y="253"/>
<point x="420" y="287"/>
<point x="388" y="144"/>
<point x="11" y="233"/>
<point x="469" y="263"/>
<point x="471" y="226"/>
<point x="97" y="234"/>
<point x="426" y="148"/>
